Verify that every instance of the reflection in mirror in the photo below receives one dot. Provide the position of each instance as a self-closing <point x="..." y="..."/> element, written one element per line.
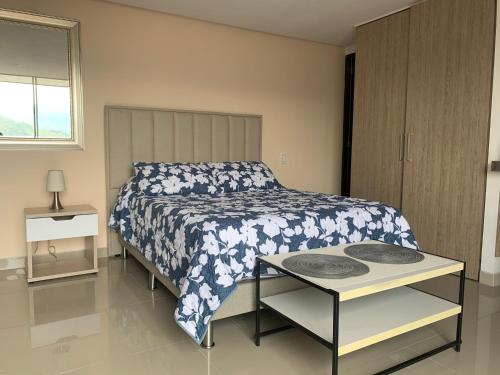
<point x="40" y="87"/>
<point x="63" y="311"/>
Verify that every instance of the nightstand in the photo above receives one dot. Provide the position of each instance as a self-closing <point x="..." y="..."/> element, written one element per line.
<point x="43" y="224"/>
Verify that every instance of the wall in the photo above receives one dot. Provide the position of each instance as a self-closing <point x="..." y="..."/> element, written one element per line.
<point x="490" y="265"/>
<point x="142" y="58"/>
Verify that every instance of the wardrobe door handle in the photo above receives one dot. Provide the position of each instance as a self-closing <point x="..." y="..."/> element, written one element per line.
<point x="401" y="146"/>
<point x="407" y="148"/>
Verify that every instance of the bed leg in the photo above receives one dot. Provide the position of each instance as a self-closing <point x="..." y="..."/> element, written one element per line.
<point x="208" y="340"/>
<point x="124" y="252"/>
<point x="151" y="281"/>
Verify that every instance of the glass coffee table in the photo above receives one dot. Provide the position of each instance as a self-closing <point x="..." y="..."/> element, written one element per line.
<point x="346" y="313"/>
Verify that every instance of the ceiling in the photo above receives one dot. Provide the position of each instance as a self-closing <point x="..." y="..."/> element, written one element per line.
<point x="327" y="21"/>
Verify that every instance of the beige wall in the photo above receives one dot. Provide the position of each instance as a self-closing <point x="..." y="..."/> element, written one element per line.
<point x="141" y="58"/>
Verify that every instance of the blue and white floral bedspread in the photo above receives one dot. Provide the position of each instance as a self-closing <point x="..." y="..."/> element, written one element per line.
<point x="206" y="243"/>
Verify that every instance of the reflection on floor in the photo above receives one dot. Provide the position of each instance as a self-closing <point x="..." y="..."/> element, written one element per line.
<point x="111" y="324"/>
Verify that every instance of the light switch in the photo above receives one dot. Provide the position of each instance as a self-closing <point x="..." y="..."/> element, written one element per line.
<point x="283" y="158"/>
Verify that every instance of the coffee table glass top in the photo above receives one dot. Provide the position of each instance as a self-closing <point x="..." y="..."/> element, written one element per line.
<point x="381" y="276"/>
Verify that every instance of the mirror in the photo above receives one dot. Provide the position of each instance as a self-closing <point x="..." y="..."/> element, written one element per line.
<point x="40" y="83"/>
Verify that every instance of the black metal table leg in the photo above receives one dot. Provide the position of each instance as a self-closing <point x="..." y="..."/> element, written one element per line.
<point x="335" y="335"/>
<point x="461" y="298"/>
<point x="257" y="305"/>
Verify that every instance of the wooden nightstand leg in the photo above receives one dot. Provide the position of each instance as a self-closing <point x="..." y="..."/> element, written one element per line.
<point x="94" y="250"/>
<point x="91" y="250"/>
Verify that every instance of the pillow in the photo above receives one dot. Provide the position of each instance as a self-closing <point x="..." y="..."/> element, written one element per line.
<point x="174" y="178"/>
<point x="243" y="176"/>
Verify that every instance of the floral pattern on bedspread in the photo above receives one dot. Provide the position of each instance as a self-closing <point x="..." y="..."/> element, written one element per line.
<point x="205" y="244"/>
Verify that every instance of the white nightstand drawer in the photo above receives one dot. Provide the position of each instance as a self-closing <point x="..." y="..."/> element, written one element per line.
<point x="49" y="228"/>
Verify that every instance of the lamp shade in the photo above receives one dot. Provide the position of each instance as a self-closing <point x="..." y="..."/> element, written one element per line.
<point x="55" y="181"/>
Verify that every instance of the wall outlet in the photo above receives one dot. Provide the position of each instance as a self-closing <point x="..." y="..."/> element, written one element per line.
<point x="283" y="158"/>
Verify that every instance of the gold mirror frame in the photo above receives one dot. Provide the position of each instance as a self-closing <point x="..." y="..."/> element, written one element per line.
<point x="76" y="142"/>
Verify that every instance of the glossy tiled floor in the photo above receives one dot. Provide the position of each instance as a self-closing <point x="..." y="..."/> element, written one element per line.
<point x="111" y="324"/>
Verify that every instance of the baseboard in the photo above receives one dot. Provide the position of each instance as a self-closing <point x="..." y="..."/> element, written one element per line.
<point x="490" y="279"/>
<point x="20" y="262"/>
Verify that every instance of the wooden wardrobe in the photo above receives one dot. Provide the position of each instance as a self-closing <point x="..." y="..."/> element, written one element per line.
<point x="421" y="120"/>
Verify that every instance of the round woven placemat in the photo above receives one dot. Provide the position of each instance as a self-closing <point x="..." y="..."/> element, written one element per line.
<point x="384" y="253"/>
<point x="325" y="266"/>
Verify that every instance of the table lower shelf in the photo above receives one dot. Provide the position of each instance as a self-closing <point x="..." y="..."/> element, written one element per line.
<point x="62" y="268"/>
<point x="362" y="321"/>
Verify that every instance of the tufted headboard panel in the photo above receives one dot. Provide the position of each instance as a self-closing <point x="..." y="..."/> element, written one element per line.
<point x="167" y="135"/>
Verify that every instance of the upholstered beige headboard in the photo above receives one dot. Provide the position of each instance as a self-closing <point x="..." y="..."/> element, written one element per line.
<point x="145" y="134"/>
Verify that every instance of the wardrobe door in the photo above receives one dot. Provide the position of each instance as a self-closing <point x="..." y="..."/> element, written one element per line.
<point x="379" y="109"/>
<point x="447" y="120"/>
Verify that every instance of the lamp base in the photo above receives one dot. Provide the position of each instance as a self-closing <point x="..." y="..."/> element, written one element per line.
<point x="56" y="203"/>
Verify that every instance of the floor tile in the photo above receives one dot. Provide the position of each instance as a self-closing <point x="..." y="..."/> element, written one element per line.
<point x="14" y="309"/>
<point x="110" y="323"/>
<point x="428" y="367"/>
<point x="135" y="328"/>
<point x="12" y="281"/>
<point x="181" y="358"/>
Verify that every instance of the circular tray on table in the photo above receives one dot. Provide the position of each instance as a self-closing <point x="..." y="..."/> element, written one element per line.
<point x="384" y="253"/>
<point x="325" y="266"/>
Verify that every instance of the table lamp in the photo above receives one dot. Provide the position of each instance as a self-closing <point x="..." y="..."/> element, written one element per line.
<point x="55" y="184"/>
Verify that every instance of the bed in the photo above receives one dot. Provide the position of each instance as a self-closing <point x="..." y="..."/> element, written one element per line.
<point x="202" y="245"/>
